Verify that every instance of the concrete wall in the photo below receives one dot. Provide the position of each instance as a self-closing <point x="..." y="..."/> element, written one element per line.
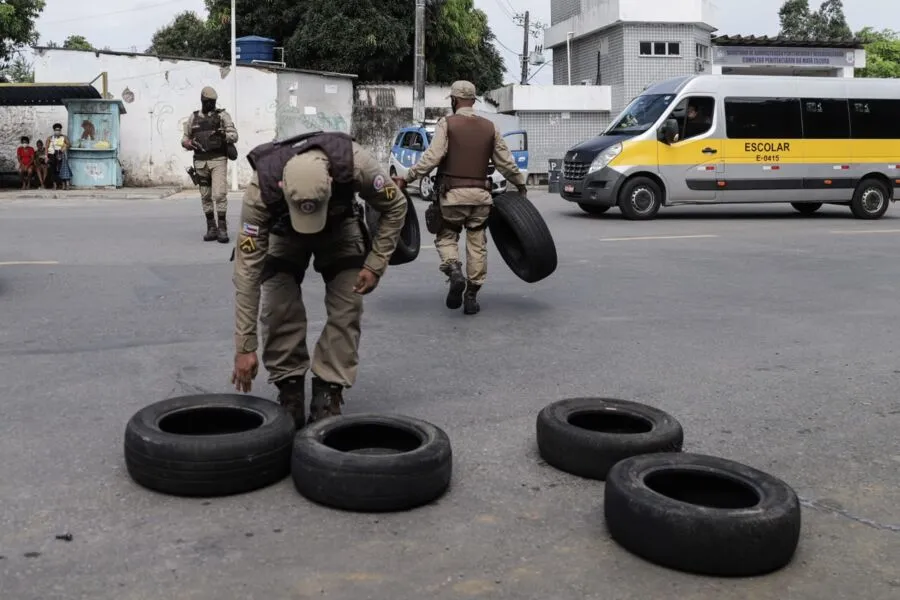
<point x="579" y="98"/>
<point x="160" y="94"/>
<point x="16" y="121"/>
<point x="376" y="127"/>
<point x="400" y="95"/>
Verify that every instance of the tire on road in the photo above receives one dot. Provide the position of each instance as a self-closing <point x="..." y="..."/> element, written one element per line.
<point x="593" y="209"/>
<point x="522" y="237"/>
<point x="806" y="208"/>
<point x="587" y="436"/>
<point x="640" y="199"/>
<point x="702" y="514"/>
<point x="410" y="242"/>
<point x="868" y="191"/>
<point x="372" y="463"/>
<point x="209" y="445"/>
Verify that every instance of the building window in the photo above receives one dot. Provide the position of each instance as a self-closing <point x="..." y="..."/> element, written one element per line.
<point x="660" y="49"/>
<point x="702" y="52"/>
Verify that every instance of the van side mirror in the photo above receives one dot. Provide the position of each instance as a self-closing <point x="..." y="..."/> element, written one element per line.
<point x="668" y="131"/>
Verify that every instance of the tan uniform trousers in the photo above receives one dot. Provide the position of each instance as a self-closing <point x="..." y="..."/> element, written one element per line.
<point x="474" y="219"/>
<point x="283" y="322"/>
<point x="213" y="175"/>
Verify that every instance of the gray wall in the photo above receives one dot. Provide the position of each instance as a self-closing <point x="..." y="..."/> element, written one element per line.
<point x="331" y="97"/>
<point x="622" y="67"/>
<point x="560" y="10"/>
<point x="550" y="135"/>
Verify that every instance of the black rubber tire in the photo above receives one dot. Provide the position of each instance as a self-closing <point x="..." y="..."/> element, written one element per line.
<point x="410" y="242"/>
<point x="704" y="539"/>
<point x="522" y="237"/>
<point x="592" y="209"/>
<point x="212" y="464"/>
<point x="636" y="185"/>
<point x="372" y="482"/>
<point x="590" y="453"/>
<point x="806" y="208"/>
<point x="867" y="186"/>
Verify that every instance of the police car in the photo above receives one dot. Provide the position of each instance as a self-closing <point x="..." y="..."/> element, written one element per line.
<point x="411" y="142"/>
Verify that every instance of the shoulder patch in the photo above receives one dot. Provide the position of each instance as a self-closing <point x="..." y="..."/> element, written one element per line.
<point x="378" y="182"/>
<point x="250" y="230"/>
<point x="247" y="244"/>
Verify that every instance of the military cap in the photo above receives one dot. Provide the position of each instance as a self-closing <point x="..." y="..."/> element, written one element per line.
<point x="307" y="189"/>
<point x="208" y="93"/>
<point x="463" y="89"/>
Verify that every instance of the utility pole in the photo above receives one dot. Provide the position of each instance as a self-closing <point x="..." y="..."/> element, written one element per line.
<point x="525" y="50"/>
<point x="234" y="75"/>
<point x="419" y="76"/>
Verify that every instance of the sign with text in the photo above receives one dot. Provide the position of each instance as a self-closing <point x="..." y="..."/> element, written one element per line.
<point x="790" y="57"/>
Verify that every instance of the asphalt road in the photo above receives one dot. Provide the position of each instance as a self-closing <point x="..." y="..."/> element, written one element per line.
<point x="772" y="337"/>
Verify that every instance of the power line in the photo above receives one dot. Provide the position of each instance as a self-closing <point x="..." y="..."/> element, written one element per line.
<point x="114" y="12"/>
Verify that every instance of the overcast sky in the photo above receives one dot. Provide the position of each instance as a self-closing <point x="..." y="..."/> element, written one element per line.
<point x="130" y="25"/>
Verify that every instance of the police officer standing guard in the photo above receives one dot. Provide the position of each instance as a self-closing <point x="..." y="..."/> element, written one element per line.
<point x="462" y="147"/>
<point x="302" y="195"/>
<point x="209" y="132"/>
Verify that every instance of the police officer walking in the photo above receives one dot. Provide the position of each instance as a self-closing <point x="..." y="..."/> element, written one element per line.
<point x="300" y="207"/>
<point x="462" y="147"/>
<point x="209" y="132"/>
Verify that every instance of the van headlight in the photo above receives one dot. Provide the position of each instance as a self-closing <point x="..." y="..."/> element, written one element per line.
<point x="605" y="157"/>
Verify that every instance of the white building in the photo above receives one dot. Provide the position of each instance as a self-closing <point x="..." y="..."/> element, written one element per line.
<point x="160" y="93"/>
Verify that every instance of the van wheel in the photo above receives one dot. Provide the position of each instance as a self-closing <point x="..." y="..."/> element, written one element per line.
<point x="806" y="208"/>
<point x="871" y="199"/>
<point x="593" y="210"/>
<point x="640" y="199"/>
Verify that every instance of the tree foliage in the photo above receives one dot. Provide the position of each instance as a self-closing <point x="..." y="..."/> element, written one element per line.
<point x="17" y="19"/>
<point x="882" y="53"/>
<point x="374" y="39"/>
<point x="798" y="22"/>
<point x="77" y="42"/>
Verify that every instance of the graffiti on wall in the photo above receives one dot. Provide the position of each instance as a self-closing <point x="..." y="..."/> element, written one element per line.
<point x="95" y="170"/>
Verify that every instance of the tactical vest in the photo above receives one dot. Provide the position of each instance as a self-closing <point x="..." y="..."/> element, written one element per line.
<point x="269" y="160"/>
<point x="470" y="148"/>
<point x="204" y="129"/>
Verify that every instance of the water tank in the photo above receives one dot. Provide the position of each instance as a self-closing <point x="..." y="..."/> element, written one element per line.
<point x="254" y="47"/>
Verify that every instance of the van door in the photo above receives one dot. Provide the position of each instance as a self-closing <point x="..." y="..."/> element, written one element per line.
<point x="518" y="146"/>
<point x="692" y="165"/>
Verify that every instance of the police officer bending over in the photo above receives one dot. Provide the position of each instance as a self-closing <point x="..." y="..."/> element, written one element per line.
<point x="302" y="195"/>
<point x="210" y="133"/>
<point x="462" y="147"/>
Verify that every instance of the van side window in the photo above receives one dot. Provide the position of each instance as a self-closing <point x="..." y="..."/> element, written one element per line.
<point x="763" y="118"/>
<point x="415" y="141"/>
<point x="399" y="140"/>
<point x="694" y="115"/>
<point x="874" y="119"/>
<point x="825" y="118"/>
<point x="407" y="139"/>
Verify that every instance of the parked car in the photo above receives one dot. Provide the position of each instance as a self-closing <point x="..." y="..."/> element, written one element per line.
<point x="411" y="142"/>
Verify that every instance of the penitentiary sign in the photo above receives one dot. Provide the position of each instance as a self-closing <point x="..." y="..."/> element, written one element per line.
<point x="737" y="56"/>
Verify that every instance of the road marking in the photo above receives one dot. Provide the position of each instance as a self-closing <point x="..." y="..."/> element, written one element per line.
<point x="426" y="247"/>
<point x="866" y="231"/>
<point x="28" y="262"/>
<point x="658" y="237"/>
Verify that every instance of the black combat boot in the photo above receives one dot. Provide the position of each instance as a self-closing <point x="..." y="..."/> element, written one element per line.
<point x="470" y="300"/>
<point x="457" y="284"/>
<point x="211" y="232"/>
<point x="223" y="229"/>
<point x="292" y="396"/>
<point x="326" y="400"/>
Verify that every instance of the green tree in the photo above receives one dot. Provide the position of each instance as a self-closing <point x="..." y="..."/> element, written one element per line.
<point x="17" y="19"/>
<point x="373" y="39"/>
<point x="798" y="22"/>
<point x="19" y="70"/>
<point x="882" y="53"/>
<point x="77" y="42"/>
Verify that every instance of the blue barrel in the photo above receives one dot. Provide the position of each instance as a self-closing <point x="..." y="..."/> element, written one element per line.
<point x="254" y="47"/>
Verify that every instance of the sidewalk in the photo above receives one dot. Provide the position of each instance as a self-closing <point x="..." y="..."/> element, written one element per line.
<point x="129" y="193"/>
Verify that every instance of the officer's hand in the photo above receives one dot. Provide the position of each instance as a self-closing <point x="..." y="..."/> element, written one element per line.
<point x="246" y="366"/>
<point x="366" y="281"/>
<point x="187" y="144"/>
<point x="524" y="191"/>
<point x="401" y="183"/>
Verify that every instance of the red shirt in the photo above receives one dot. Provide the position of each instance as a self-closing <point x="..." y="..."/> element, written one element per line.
<point x="26" y="155"/>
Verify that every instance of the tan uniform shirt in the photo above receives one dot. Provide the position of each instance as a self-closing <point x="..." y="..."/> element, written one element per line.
<point x="431" y="158"/>
<point x="231" y="134"/>
<point x="389" y="201"/>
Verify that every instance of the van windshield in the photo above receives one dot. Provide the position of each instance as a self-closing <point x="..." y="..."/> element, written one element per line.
<point x="641" y="114"/>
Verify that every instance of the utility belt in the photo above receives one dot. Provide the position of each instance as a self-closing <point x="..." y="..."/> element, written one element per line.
<point x="434" y="219"/>
<point x="328" y="269"/>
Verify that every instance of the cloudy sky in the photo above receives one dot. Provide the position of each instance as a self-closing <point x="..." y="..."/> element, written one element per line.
<point x="130" y="25"/>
